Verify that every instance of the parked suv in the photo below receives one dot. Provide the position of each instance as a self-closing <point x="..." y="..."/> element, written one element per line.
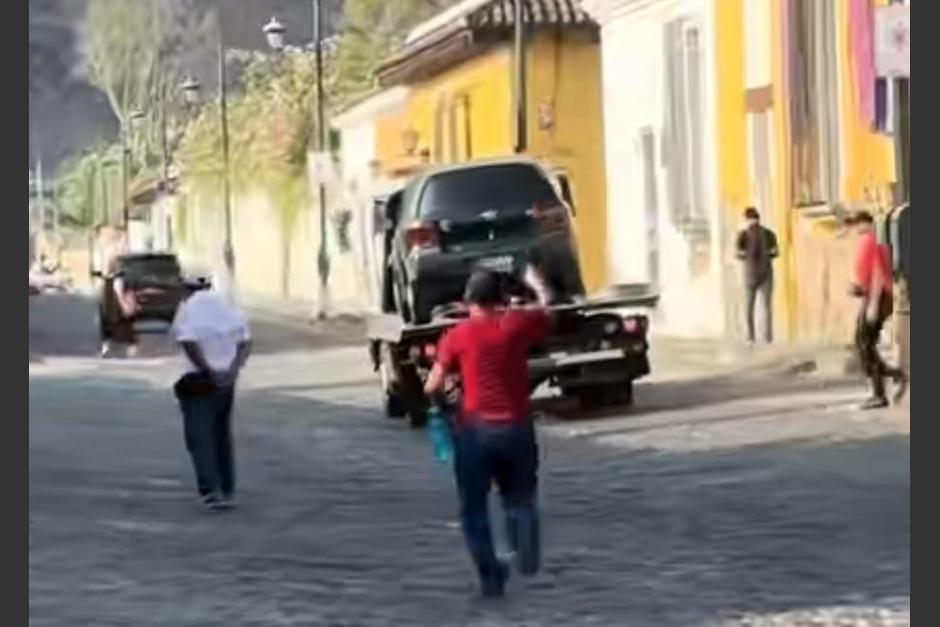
<point x="495" y="214"/>
<point x="155" y="280"/>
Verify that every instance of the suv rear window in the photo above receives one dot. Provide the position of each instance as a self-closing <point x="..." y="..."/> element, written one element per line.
<point x="160" y="266"/>
<point x="465" y="194"/>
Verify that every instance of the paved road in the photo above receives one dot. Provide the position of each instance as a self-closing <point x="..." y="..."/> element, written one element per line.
<point x="772" y="508"/>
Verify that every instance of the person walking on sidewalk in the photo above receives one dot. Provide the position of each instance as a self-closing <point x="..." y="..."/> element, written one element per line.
<point x="873" y="287"/>
<point x="757" y="248"/>
<point x="215" y="341"/>
<point x="494" y="435"/>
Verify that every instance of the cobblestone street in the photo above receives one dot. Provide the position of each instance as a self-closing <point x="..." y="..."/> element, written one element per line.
<point x="781" y="506"/>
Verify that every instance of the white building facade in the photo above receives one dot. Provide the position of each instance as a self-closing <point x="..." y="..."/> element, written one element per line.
<point x="360" y="179"/>
<point x="664" y="218"/>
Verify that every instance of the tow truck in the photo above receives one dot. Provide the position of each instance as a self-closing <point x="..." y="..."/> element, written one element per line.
<point x="598" y="345"/>
<point x="594" y="353"/>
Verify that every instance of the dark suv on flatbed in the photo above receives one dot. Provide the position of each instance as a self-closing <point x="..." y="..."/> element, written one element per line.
<point x="496" y="214"/>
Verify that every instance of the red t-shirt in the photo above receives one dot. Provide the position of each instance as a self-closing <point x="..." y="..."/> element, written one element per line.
<point x="491" y="352"/>
<point x="871" y="255"/>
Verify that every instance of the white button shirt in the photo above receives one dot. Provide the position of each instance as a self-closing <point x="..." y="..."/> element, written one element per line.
<point x="216" y="325"/>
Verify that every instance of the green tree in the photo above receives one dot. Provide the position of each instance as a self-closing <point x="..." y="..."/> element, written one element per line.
<point x="132" y="50"/>
<point x="85" y="184"/>
<point x="371" y="30"/>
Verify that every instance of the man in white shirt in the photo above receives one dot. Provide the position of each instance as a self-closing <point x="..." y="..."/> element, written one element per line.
<point x="215" y="341"/>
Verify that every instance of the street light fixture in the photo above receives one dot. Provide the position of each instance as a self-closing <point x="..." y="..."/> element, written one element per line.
<point x="190" y="88"/>
<point x="275" y="31"/>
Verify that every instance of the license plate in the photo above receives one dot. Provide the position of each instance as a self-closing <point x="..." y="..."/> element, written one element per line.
<point x="503" y="263"/>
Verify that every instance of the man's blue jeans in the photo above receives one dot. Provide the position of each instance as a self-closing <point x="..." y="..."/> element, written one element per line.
<point x="506" y="454"/>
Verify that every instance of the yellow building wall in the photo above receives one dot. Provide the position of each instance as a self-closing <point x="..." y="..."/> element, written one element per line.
<point x="868" y="157"/>
<point x="484" y="82"/>
<point x="735" y="187"/>
<point x="564" y="81"/>
<point x="564" y="73"/>
<point x="815" y="263"/>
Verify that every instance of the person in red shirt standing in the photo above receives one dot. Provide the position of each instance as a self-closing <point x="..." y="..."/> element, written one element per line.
<point x="873" y="285"/>
<point x="494" y="434"/>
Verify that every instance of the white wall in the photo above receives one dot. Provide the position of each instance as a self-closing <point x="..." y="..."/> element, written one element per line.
<point x="634" y="99"/>
<point x="361" y="184"/>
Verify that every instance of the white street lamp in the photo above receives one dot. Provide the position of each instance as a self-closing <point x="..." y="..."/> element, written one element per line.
<point x="274" y="31"/>
<point x="190" y="87"/>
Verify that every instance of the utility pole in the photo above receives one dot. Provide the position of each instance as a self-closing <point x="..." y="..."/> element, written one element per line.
<point x="125" y="193"/>
<point x="164" y="140"/>
<point x="41" y="198"/>
<point x="519" y="77"/>
<point x="228" y="250"/>
<point x="323" y="258"/>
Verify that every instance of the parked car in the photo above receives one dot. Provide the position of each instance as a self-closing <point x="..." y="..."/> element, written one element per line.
<point x="497" y="214"/>
<point x="154" y="280"/>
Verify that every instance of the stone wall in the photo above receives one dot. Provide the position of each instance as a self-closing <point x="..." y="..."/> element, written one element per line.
<point x="823" y="311"/>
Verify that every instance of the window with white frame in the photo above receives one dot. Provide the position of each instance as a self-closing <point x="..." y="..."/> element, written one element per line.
<point x="684" y="133"/>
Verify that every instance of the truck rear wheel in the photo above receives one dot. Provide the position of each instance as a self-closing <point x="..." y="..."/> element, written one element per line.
<point x="394" y="408"/>
<point x="596" y="396"/>
<point x="412" y="396"/>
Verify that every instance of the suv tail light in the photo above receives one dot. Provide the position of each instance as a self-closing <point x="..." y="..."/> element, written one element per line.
<point x="636" y="325"/>
<point x="422" y="236"/>
<point x="551" y="218"/>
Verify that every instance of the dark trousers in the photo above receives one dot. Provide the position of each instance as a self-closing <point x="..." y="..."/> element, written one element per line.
<point x="508" y="455"/>
<point x="207" y="428"/>
<point x="867" y="335"/>
<point x="760" y="292"/>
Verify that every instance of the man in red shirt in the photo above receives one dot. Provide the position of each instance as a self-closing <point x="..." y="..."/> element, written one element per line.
<point x="873" y="285"/>
<point x="495" y="437"/>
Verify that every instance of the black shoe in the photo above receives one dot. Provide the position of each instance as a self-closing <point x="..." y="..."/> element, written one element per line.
<point x="213" y="502"/>
<point x="901" y="381"/>
<point x="227" y="501"/>
<point x="875" y="402"/>
<point x="495" y="587"/>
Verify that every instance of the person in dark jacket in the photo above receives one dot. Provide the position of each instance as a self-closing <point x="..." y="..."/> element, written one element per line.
<point x="757" y="248"/>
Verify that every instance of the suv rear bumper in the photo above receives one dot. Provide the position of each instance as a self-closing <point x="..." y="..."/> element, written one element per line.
<point x="609" y="366"/>
<point x="438" y="278"/>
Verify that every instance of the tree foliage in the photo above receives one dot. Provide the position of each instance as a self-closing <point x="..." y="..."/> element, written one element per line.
<point x="132" y="51"/>
<point x="86" y="183"/>
<point x="270" y="121"/>
<point x="371" y="30"/>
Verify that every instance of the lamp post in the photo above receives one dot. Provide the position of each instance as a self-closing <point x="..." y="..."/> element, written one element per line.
<point x="275" y="31"/>
<point x="191" y="88"/>
<point x="228" y="250"/>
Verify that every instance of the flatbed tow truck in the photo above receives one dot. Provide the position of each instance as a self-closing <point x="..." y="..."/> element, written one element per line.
<point x="594" y="352"/>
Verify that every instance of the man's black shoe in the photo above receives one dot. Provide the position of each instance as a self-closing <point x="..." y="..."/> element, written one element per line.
<point x="495" y="586"/>
<point x="213" y="503"/>
<point x="901" y="381"/>
<point x="875" y="402"/>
